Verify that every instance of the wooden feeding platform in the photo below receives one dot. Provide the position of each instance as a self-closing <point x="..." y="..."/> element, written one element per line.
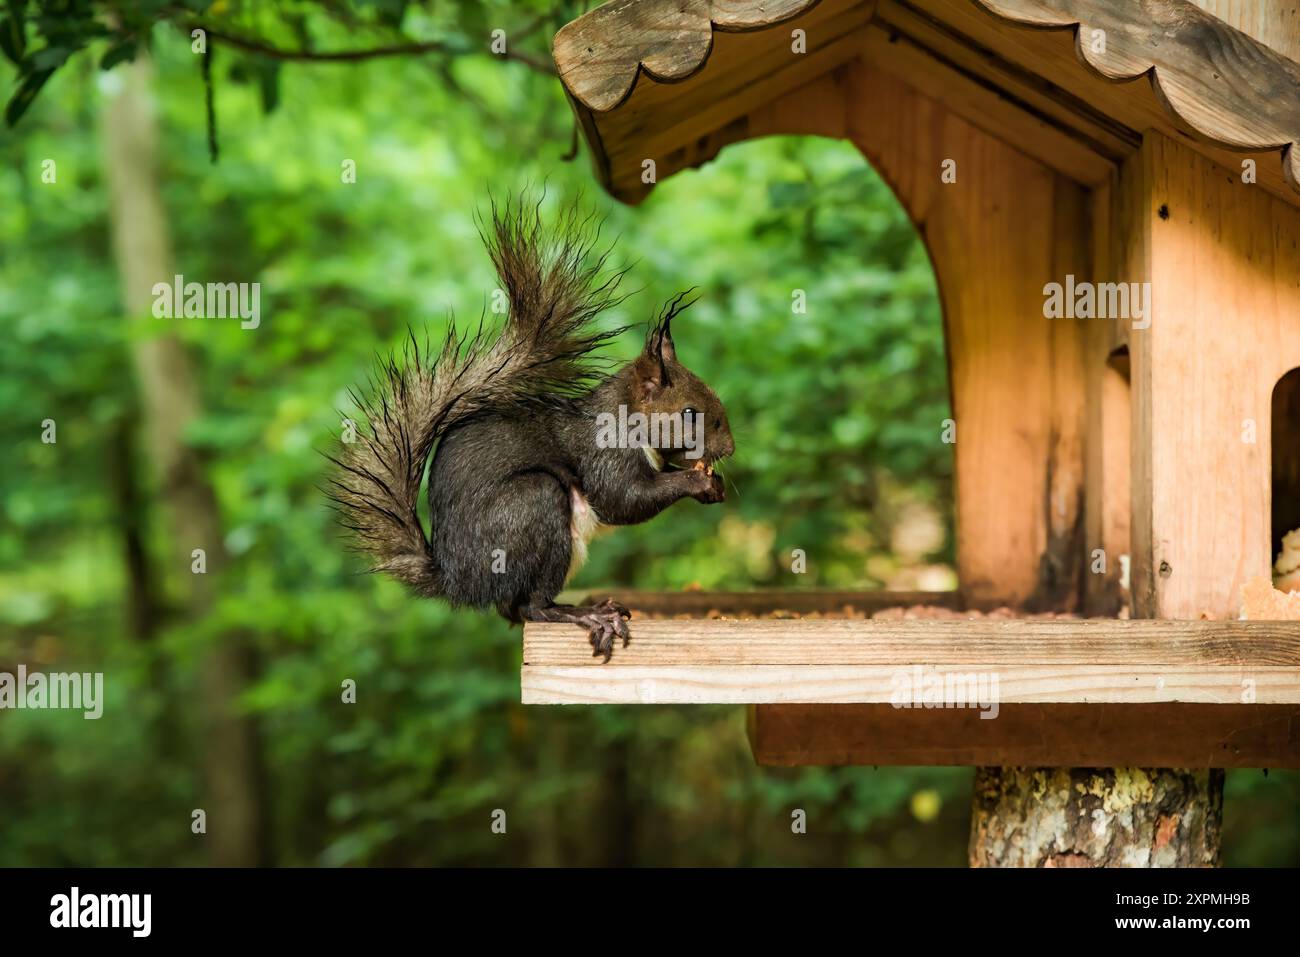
<point x="828" y="683"/>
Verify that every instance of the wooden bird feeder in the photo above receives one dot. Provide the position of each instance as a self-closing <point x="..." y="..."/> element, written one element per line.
<point x="1111" y="143"/>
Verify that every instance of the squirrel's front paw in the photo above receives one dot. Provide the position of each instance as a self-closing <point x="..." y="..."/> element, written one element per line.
<point x="707" y="487"/>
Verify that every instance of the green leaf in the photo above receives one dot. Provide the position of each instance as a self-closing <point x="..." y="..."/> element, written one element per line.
<point x="13" y="37"/>
<point x="119" y="52"/>
<point x="12" y="40"/>
<point x="31" y="85"/>
<point x="49" y="58"/>
<point x="391" y="12"/>
<point x="268" y="79"/>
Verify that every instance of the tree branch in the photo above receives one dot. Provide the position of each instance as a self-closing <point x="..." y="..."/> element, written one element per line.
<point x="259" y="46"/>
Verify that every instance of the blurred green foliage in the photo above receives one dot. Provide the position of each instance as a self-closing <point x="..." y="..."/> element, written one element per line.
<point x="837" y="414"/>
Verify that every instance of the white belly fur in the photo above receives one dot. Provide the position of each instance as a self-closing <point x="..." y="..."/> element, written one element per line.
<point x="583" y="526"/>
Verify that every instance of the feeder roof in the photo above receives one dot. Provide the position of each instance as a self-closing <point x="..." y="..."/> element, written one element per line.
<point x="1073" y="82"/>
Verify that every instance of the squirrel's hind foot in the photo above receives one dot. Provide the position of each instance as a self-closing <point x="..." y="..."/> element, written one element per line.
<point x="604" y="622"/>
<point x="607" y="621"/>
<point x="602" y="628"/>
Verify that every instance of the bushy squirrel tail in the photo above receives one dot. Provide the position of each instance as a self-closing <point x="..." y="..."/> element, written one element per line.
<point x="553" y="287"/>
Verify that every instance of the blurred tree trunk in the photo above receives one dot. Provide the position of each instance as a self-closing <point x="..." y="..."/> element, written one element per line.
<point x="169" y="400"/>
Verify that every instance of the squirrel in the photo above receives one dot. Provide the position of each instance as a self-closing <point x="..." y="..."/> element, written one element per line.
<point x="521" y="473"/>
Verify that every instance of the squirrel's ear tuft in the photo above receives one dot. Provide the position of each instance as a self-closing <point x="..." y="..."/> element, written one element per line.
<point x="665" y="349"/>
<point x="659" y="343"/>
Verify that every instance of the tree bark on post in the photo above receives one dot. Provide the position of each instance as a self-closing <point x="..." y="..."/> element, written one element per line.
<point x="169" y="401"/>
<point x="1095" y="817"/>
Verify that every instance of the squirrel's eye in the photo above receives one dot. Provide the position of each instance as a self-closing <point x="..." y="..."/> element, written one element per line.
<point x="688" y="412"/>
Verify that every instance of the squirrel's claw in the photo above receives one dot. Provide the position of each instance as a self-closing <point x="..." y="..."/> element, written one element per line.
<point x="603" y="627"/>
<point x="617" y="607"/>
<point x="620" y="625"/>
